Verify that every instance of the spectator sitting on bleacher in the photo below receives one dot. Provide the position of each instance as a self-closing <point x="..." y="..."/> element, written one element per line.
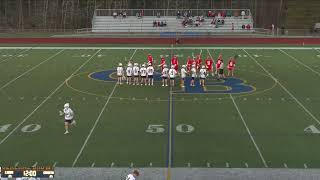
<point x="243" y="14"/>
<point x="243" y="27"/>
<point x="248" y="26"/>
<point x="155" y="23"/>
<point x="158" y="14"/>
<point x="178" y="14"/>
<point x="114" y="14"/>
<point x="124" y="14"/>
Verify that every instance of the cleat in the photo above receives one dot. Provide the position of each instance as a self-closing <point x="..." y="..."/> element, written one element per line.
<point x="162" y="85"/>
<point x="67" y="132"/>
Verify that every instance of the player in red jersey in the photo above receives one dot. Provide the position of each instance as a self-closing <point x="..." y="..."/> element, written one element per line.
<point x="175" y="62"/>
<point x="231" y="65"/>
<point x="150" y="59"/>
<point x="209" y="64"/>
<point x="189" y="63"/>
<point x="219" y="61"/>
<point x="198" y="62"/>
<point x="162" y="62"/>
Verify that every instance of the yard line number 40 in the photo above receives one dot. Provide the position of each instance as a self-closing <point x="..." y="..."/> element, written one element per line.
<point x="159" y="128"/>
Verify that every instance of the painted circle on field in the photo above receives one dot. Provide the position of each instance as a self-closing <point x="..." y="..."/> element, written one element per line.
<point x="95" y="79"/>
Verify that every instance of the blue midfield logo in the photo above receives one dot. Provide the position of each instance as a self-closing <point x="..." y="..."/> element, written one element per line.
<point x="232" y="85"/>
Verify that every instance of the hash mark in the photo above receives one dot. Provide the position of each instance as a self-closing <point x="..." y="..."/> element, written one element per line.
<point x="208" y="164"/>
<point x="227" y="165"/>
<point x="189" y="164"/>
<point x="35" y="164"/>
<point x="285" y="165"/>
<point x="246" y="164"/>
<point x="305" y="166"/>
<point x="112" y="164"/>
<point x="131" y="165"/>
<point x="16" y="164"/>
<point x="55" y="164"/>
<point x="150" y="164"/>
<point x="92" y="165"/>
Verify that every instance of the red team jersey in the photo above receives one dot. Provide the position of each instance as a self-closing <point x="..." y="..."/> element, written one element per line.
<point x="198" y="62"/>
<point x="231" y="64"/>
<point x="218" y="64"/>
<point x="174" y="61"/>
<point x="189" y="63"/>
<point x="163" y="61"/>
<point x="150" y="59"/>
<point x="209" y="63"/>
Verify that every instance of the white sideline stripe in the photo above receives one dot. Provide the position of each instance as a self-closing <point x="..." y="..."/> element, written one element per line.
<point x="285" y="89"/>
<point x="295" y="59"/>
<point x="46" y="99"/>
<point x="6" y="59"/>
<point x="16" y="164"/>
<point x="248" y="130"/>
<point x="34" y="67"/>
<point x="55" y="164"/>
<point x="97" y="120"/>
<point x="164" y="48"/>
<point x="35" y="164"/>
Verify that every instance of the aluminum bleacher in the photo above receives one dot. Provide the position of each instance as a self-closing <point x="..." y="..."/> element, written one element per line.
<point x="105" y="22"/>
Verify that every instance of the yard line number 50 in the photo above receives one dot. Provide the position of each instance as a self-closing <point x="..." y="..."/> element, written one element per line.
<point x="159" y="128"/>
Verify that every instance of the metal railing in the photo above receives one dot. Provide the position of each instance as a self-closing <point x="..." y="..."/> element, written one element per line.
<point x="170" y="12"/>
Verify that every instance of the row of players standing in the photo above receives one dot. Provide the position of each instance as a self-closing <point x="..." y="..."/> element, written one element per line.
<point x="194" y="68"/>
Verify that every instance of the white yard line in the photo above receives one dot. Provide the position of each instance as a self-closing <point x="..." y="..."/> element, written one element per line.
<point x="317" y="50"/>
<point x="249" y="132"/>
<point x="285" y="89"/>
<point x="46" y="99"/>
<point x="300" y="62"/>
<point x="26" y="49"/>
<point x="34" y="67"/>
<point x="164" y="48"/>
<point x="94" y="126"/>
<point x="97" y="120"/>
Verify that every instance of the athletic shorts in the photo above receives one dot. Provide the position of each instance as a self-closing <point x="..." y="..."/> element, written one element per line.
<point x="129" y="76"/>
<point x="136" y="76"/>
<point x="69" y="121"/>
<point x="220" y="71"/>
<point x="192" y="78"/>
<point x="202" y="78"/>
<point x="183" y="78"/>
<point x="143" y="77"/>
<point x="171" y="78"/>
<point x="231" y="68"/>
<point x="164" y="77"/>
<point x="150" y="76"/>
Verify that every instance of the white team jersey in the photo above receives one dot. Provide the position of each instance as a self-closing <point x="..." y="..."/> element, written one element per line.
<point x="203" y="73"/>
<point x="172" y="73"/>
<point x="130" y="177"/>
<point x="221" y="65"/>
<point x="68" y="113"/>
<point x="143" y="71"/>
<point x="165" y="72"/>
<point x="129" y="71"/>
<point x="120" y="71"/>
<point x="136" y="71"/>
<point x="183" y="73"/>
<point x="194" y="72"/>
<point x="150" y="70"/>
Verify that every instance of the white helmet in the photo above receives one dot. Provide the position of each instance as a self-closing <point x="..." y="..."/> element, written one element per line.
<point x="202" y="66"/>
<point x="129" y="65"/>
<point x="172" y="66"/>
<point x="164" y="65"/>
<point x="120" y="64"/>
<point x="143" y="65"/>
<point x="149" y="64"/>
<point x="183" y="66"/>
<point x="135" y="64"/>
<point x="66" y="105"/>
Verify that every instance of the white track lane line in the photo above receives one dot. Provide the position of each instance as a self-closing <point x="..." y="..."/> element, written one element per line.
<point x="47" y="98"/>
<point x="97" y="120"/>
<point x="285" y="89"/>
<point x="300" y="62"/>
<point x="31" y="69"/>
<point x="249" y="132"/>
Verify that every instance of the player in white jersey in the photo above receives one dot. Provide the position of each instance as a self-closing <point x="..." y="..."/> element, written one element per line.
<point x="193" y="74"/>
<point x="165" y="72"/>
<point x="203" y="74"/>
<point x="68" y="117"/>
<point x="143" y="74"/>
<point x="133" y="175"/>
<point x="172" y="75"/>
<point x="120" y="73"/>
<point x="183" y="74"/>
<point x="129" y="73"/>
<point x="135" y="74"/>
<point x="150" y="71"/>
<point x="221" y="73"/>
